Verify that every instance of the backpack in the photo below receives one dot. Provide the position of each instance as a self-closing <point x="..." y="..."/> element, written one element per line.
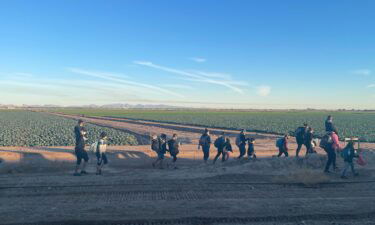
<point x="345" y="153"/>
<point x="300" y="132"/>
<point x="279" y="142"/>
<point x="94" y="147"/>
<point x="325" y="141"/>
<point x="218" y="142"/>
<point x="238" y="140"/>
<point x="155" y="145"/>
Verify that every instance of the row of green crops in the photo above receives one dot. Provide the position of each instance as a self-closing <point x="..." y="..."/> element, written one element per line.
<point x="361" y="124"/>
<point x="25" y="128"/>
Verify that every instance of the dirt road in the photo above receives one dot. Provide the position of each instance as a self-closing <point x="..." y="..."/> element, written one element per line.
<point x="37" y="186"/>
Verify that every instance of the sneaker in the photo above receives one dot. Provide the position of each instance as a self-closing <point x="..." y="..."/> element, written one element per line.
<point x="76" y="174"/>
<point x="344" y="177"/>
<point x="153" y="165"/>
<point x="326" y="171"/>
<point x="356" y="174"/>
<point x="84" y="172"/>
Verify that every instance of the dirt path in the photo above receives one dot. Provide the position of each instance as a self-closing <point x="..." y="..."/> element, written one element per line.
<point x="37" y="187"/>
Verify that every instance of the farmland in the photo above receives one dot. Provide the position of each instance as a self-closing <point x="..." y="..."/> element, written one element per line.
<point x="361" y="124"/>
<point x="25" y="128"/>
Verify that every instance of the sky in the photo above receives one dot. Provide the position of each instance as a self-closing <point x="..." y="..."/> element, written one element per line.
<point x="192" y="53"/>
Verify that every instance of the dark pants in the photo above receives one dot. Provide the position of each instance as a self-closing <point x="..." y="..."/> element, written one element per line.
<point x="242" y="148"/>
<point x="251" y="153"/>
<point x="101" y="158"/>
<point x="206" y="152"/>
<point x="81" y="154"/>
<point x="331" y="153"/>
<point x="300" y="143"/>
<point x="282" y="151"/>
<point x="220" y="152"/>
<point x="309" y="148"/>
<point x="174" y="156"/>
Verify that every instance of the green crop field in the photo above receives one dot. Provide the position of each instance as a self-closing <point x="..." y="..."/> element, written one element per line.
<point x="361" y="124"/>
<point x="25" y="128"/>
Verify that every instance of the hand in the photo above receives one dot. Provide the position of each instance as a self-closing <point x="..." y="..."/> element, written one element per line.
<point x="199" y="147"/>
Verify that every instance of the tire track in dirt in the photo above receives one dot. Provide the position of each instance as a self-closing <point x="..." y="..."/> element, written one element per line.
<point x="223" y="220"/>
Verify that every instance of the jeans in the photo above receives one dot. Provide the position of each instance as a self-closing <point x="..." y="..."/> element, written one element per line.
<point x="346" y="167"/>
<point x="242" y="148"/>
<point x="331" y="153"/>
<point x="206" y="152"/>
<point x="218" y="155"/>
<point x="300" y="144"/>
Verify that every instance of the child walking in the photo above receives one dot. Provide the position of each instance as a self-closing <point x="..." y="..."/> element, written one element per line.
<point x="250" y="149"/>
<point x="101" y="153"/>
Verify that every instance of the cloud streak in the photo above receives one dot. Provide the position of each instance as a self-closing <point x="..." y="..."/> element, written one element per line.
<point x="198" y="59"/>
<point x="117" y="79"/>
<point x="371" y="86"/>
<point x="193" y="76"/>
<point x="363" y="72"/>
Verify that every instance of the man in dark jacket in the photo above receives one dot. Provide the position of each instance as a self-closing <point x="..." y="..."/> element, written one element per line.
<point x="300" y="137"/>
<point x="161" y="150"/>
<point x="173" y="147"/>
<point x="220" y="144"/>
<point x="205" y="143"/>
<point x="81" y="137"/>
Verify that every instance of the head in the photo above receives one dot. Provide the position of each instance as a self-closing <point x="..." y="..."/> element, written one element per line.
<point x="222" y="134"/>
<point x="154" y="137"/>
<point x="329" y="117"/>
<point x="252" y="140"/>
<point x="103" y="135"/>
<point x="350" y="144"/>
<point x="163" y="136"/>
<point x="80" y="122"/>
<point x="305" y="125"/>
<point x="286" y="136"/>
<point x="243" y="131"/>
<point x="311" y="130"/>
<point x="206" y="131"/>
<point x="174" y="137"/>
<point x="227" y="140"/>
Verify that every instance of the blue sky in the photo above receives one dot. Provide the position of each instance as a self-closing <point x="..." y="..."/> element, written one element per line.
<point x="206" y="53"/>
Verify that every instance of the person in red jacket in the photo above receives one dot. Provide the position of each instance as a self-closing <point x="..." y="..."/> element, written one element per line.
<point x="332" y="148"/>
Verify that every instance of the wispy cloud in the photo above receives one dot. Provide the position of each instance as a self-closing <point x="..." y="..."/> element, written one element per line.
<point x="363" y="72"/>
<point x="111" y="77"/>
<point x="371" y="86"/>
<point x="263" y="90"/>
<point x="178" y="86"/>
<point x="198" y="59"/>
<point x="192" y="76"/>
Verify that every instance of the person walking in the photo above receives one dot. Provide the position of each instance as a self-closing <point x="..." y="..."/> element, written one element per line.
<point x="173" y="147"/>
<point x="80" y="152"/>
<point x="251" y="149"/>
<point x="349" y="154"/>
<point x="161" y="150"/>
<point x="282" y="144"/>
<point x="220" y="144"/>
<point x="300" y="137"/>
<point x="100" y="153"/>
<point x="309" y="138"/>
<point x="331" y="148"/>
<point x="241" y="143"/>
<point x="205" y="143"/>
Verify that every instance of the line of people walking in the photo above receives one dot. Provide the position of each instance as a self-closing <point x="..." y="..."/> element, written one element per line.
<point x="161" y="145"/>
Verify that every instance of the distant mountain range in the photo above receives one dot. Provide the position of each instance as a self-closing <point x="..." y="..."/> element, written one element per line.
<point x="107" y="106"/>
